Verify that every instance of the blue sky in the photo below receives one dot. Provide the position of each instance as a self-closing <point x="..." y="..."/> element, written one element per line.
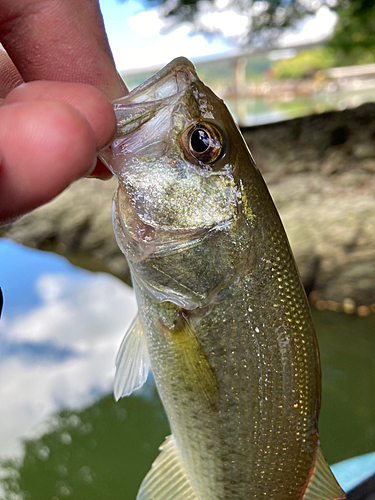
<point x="133" y="34"/>
<point x="19" y="270"/>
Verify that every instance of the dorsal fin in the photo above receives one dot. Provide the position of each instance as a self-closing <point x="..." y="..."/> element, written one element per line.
<point x="167" y="479"/>
<point x="322" y="484"/>
<point x="132" y="363"/>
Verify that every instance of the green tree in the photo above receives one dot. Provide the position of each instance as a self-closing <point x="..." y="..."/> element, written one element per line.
<point x="304" y="64"/>
<point x="354" y="36"/>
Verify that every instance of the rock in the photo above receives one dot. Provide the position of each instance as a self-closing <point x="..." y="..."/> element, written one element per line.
<point x="363" y="151"/>
<point x="320" y="173"/>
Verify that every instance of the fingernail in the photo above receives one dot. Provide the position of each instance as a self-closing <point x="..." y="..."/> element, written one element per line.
<point x="101" y="172"/>
<point x="92" y="168"/>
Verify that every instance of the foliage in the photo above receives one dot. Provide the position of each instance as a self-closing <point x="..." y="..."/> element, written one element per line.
<point x="354" y="37"/>
<point x="353" y="43"/>
<point x="307" y="62"/>
<point x="266" y="19"/>
<point x="304" y="64"/>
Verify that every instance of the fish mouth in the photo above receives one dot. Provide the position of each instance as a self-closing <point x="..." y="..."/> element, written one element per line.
<point x="143" y="103"/>
<point x="156" y="93"/>
<point x="173" y="79"/>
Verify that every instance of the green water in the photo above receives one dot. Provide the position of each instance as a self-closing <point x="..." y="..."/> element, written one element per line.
<point x="347" y="348"/>
<point x="104" y="451"/>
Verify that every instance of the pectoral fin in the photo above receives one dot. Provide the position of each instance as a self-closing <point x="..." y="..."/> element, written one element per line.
<point x="323" y="484"/>
<point x="167" y="479"/>
<point x="194" y="366"/>
<point x="132" y="363"/>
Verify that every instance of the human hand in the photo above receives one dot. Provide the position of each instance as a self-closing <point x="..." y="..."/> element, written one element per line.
<point x="52" y="127"/>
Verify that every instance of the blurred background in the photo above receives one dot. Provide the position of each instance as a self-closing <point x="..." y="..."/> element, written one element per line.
<point x="270" y="60"/>
<point x="299" y="78"/>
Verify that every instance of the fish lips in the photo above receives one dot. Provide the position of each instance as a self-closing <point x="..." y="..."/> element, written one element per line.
<point x="151" y="100"/>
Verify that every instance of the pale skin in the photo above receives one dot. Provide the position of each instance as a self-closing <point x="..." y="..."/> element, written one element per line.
<point x="57" y="78"/>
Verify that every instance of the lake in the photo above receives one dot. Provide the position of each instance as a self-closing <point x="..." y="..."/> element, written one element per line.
<point x="61" y="433"/>
<point x="263" y="109"/>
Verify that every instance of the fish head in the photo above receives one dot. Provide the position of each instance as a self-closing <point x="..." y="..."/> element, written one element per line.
<point x="178" y="157"/>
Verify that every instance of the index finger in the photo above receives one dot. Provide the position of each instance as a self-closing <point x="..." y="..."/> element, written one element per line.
<point x="62" y="40"/>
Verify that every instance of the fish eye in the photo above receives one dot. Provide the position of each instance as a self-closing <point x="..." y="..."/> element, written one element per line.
<point x="205" y="143"/>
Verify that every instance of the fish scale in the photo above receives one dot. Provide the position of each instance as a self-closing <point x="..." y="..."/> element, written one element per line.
<point x="224" y="322"/>
<point x="268" y="371"/>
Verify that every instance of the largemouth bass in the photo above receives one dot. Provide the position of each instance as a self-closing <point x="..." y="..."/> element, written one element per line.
<point x="223" y="319"/>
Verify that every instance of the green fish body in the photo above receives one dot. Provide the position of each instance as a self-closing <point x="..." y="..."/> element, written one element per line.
<point x="223" y="319"/>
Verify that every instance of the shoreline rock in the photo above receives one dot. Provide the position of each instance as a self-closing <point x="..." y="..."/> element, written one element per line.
<point x="320" y="171"/>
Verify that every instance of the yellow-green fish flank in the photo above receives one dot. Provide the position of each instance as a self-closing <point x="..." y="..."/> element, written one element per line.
<point x="223" y="319"/>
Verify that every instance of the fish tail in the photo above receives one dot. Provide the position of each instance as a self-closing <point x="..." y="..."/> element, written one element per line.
<point x="322" y="484"/>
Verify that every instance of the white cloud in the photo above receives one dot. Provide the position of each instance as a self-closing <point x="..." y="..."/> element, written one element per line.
<point x="89" y="318"/>
<point x="164" y="48"/>
<point x="228" y="22"/>
<point x="146" y="23"/>
<point x="311" y="29"/>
